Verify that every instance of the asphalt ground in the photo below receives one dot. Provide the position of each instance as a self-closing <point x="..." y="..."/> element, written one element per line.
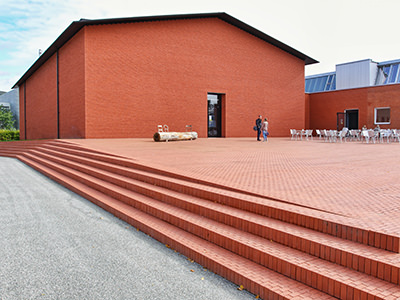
<point x="55" y="244"/>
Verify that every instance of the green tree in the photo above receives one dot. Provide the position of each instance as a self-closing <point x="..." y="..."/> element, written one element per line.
<point x="6" y="118"/>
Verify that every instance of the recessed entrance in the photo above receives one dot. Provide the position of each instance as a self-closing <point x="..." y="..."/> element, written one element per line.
<point x="347" y="119"/>
<point x="352" y="118"/>
<point x="214" y="115"/>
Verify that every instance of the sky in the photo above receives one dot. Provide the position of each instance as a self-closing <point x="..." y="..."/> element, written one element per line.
<point x="331" y="32"/>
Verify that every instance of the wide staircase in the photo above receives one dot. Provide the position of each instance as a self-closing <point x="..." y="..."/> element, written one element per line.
<point x="273" y="249"/>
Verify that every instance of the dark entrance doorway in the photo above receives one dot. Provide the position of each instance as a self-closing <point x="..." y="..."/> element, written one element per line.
<point x="214" y="115"/>
<point x="352" y="118"/>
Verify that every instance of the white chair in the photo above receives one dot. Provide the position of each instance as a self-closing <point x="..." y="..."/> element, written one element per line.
<point x="354" y="134"/>
<point x="364" y="136"/>
<point x="295" y="134"/>
<point x="322" y="134"/>
<point x="309" y="133"/>
<point x="303" y="133"/>
<point x="332" y="135"/>
<point x="342" y="134"/>
<point x="369" y="135"/>
<point x="326" y="134"/>
<point x="385" y="133"/>
<point x="396" y="135"/>
<point x="358" y="134"/>
<point x="373" y="135"/>
<point x="319" y="133"/>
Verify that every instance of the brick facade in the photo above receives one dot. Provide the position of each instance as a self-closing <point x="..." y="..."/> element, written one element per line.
<point x="325" y="105"/>
<point x="122" y="80"/>
<point x="38" y="103"/>
<point x="72" y="87"/>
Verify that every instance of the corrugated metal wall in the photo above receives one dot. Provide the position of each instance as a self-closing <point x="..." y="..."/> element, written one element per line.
<point x="356" y="74"/>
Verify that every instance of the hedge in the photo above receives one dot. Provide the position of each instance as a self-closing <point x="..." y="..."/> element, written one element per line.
<point x="9" y="135"/>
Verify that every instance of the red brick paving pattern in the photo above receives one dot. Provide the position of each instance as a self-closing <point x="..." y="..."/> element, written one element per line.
<point x="354" y="179"/>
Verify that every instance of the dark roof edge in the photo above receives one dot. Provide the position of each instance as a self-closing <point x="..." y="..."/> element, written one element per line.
<point x="76" y="26"/>
<point x="235" y="22"/>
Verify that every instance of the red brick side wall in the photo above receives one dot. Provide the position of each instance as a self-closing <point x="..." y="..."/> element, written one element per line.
<point x="22" y="129"/>
<point x="324" y="106"/>
<point x="385" y="96"/>
<point x="307" y="113"/>
<point x="41" y="102"/>
<point x="139" y="75"/>
<point x="72" y="87"/>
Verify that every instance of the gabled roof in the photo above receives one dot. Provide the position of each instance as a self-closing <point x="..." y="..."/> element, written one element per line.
<point x="78" y="25"/>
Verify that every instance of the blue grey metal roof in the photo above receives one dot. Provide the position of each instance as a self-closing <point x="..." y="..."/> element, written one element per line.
<point x="389" y="62"/>
<point x="320" y="75"/>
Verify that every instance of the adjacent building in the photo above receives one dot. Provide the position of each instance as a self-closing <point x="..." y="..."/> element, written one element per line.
<point x="358" y="93"/>
<point x="10" y="100"/>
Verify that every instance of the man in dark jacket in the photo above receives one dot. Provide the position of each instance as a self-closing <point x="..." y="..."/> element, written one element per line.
<point x="258" y="124"/>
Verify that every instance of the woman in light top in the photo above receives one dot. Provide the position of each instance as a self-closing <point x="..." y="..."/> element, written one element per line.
<point x="264" y="129"/>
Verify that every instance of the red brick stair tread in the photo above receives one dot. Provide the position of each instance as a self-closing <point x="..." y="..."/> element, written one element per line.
<point x="278" y="284"/>
<point x="251" y="199"/>
<point x="348" y="247"/>
<point x="68" y="147"/>
<point x="292" y="257"/>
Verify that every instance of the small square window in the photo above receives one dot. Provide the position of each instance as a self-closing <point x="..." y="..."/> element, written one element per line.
<point x="382" y="115"/>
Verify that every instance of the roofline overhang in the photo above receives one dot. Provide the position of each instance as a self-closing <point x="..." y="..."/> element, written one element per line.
<point x="76" y="26"/>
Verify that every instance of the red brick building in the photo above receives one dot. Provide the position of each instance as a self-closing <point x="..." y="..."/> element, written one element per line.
<point x="361" y="103"/>
<point x="120" y="78"/>
<point x="359" y="93"/>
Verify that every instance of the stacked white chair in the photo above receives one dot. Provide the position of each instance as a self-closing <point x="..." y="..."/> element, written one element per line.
<point x="343" y="134"/>
<point x="294" y="133"/>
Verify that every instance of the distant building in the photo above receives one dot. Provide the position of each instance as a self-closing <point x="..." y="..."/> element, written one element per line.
<point x="358" y="93"/>
<point x="11" y="100"/>
<point x="356" y="74"/>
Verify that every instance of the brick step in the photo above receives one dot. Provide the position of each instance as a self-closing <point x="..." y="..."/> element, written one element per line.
<point x="254" y="277"/>
<point x="23" y="144"/>
<point x="8" y="153"/>
<point x="289" y="262"/>
<point x="309" y="270"/>
<point x="19" y="147"/>
<point x="79" y="151"/>
<point x="14" y="148"/>
<point x="65" y="146"/>
<point x="372" y="261"/>
<point x="348" y="228"/>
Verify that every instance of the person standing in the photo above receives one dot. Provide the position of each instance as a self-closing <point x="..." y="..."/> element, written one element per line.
<point x="258" y="125"/>
<point x="264" y="129"/>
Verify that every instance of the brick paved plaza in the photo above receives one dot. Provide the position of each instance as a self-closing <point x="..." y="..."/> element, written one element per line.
<point x="293" y="219"/>
<point x="354" y="180"/>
